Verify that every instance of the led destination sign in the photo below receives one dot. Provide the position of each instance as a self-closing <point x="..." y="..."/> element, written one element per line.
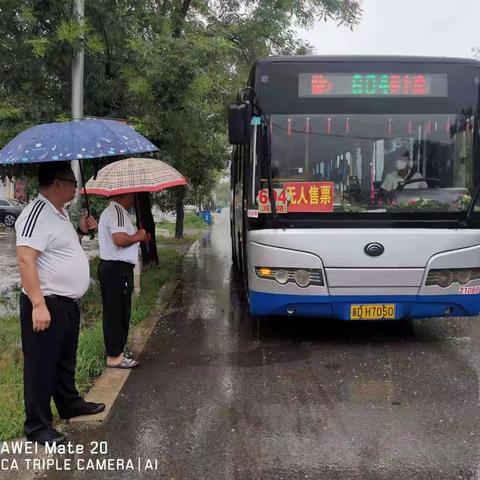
<point x="372" y="85"/>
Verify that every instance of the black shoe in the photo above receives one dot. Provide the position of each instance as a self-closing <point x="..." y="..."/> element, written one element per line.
<point x="84" y="408"/>
<point x="47" y="436"/>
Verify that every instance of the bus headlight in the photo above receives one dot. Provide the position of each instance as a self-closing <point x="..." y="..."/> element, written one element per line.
<point x="445" y="277"/>
<point x="303" y="277"/>
<point x="463" y="276"/>
<point x="281" y="276"/>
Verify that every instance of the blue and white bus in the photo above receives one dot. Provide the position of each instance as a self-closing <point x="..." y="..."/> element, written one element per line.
<point x="355" y="187"/>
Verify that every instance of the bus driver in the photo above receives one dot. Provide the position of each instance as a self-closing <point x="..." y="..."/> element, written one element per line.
<point x="402" y="174"/>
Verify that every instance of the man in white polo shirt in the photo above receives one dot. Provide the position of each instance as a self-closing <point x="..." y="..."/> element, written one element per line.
<point x="55" y="274"/>
<point x="118" y="242"/>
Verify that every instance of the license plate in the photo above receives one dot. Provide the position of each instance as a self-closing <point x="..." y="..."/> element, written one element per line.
<point x="372" y="312"/>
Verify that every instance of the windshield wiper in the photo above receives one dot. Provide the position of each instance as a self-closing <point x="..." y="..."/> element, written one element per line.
<point x="268" y="164"/>
<point x="471" y="208"/>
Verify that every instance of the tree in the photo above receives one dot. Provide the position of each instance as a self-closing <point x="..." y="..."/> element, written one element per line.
<point x="222" y="192"/>
<point x="206" y="56"/>
<point x="169" y="66"/>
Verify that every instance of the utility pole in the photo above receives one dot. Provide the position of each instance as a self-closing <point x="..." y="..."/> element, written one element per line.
<point x="77" y="81"/>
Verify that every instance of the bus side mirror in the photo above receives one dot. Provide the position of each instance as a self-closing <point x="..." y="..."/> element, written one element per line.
<point x="239" y="118"/>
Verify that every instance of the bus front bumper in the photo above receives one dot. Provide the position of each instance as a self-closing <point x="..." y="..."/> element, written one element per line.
<point x="406" y="306"/>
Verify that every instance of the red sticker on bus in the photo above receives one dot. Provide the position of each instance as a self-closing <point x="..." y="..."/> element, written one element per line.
<point x="475" y="290"/>
<point x="279" y="196"/>
<point x="309" y="196"/>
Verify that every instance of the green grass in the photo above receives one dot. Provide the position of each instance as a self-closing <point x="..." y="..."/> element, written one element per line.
<point x="9" y="336"/>
<point x="168" y="226"/>
<point x="11" y="384"/>
<point x="153" y="278"/>
<point x="162" y="240"/>
<point x="11" y="399"/>
<point x="90" y="355"/>
<point x="191" y="221"/>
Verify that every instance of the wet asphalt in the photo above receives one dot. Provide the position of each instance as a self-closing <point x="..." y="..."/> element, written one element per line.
<point x="218" y="396"/>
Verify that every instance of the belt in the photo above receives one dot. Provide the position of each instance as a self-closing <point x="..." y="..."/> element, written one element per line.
<point x="62" y="299"/>
<point x="56" y="297"/>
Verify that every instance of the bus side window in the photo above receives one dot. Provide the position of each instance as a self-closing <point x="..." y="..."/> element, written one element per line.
<point x="475" y="211"/>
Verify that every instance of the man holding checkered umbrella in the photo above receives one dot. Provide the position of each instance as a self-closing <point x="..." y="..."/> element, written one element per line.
<point x="119" y="240"/>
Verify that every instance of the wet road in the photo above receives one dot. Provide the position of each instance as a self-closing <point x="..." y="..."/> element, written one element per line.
<point x="217" y="397"/>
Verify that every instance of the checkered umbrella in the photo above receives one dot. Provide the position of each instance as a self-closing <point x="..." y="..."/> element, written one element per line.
<point x="134" y="175"/>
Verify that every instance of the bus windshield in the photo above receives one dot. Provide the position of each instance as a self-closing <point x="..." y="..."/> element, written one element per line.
<point x="368" y="163"/>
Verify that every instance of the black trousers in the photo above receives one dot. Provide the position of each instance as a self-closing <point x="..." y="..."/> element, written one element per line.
<point x="49" y="361"/>
<point x="116" y="283"/>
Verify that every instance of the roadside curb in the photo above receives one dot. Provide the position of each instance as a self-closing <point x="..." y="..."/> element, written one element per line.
<point x="109" y="384"/>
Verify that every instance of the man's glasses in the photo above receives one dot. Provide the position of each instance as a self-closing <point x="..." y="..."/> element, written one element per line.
<point x="68" y="180"/>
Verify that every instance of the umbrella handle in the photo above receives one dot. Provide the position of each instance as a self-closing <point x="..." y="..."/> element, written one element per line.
<point x="91" y="231"/>
<point x="140" y="223"/>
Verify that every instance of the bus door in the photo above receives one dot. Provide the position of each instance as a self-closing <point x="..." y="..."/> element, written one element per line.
<point x="237" y="204"/>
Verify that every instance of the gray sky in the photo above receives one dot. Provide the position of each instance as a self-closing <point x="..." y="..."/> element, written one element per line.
<point x="404" y="27"/>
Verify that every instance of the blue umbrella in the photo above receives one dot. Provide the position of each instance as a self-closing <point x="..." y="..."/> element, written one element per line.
<point x="75" y="140"/>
